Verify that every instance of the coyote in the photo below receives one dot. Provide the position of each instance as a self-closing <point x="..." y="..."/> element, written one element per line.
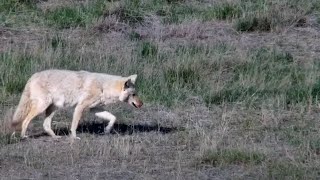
<point x="49" y="90"/>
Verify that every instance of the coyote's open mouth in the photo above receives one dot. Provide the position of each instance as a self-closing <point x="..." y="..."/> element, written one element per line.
<point x="133" y="104"/>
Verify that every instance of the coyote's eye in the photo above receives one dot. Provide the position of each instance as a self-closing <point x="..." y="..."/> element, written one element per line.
<point x="133" y="94"/>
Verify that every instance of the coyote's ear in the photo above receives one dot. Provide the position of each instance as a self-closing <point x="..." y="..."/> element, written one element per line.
<point x="133" y="78"/>
<point x="127" y="84"/>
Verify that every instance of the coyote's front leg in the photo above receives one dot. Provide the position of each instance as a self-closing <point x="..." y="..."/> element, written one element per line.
<point x="107" y="116"/>
<point x="75" y="120"/>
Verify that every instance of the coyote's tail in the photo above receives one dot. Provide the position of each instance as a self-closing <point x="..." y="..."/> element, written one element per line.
<point x="22" y="109"/>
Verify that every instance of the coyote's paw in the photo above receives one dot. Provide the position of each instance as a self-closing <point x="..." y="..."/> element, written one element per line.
<point x="107" y="130"/>
<point x="56" y="137"/>
<point x="24" y="137"/>
<point x="75" y="138"/>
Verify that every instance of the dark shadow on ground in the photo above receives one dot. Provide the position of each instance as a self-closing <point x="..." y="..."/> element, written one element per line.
<point x="122" y="129"/>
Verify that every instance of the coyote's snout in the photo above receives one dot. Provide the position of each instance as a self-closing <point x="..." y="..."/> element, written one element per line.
<point x="49" y="90"/>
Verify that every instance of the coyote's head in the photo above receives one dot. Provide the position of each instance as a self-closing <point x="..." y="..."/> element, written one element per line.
<point x="128" y="94"/>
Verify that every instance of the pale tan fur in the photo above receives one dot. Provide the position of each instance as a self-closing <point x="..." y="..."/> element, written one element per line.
<point x="49" y="90"/>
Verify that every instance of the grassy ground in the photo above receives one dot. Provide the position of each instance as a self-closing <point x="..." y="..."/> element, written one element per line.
<point x="231" y="88"/>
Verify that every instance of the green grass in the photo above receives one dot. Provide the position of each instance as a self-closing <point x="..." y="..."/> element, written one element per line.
<point x="128" y="15"/>
<point x="222" y="11"/>
<point x="15" y="70"/>
<point x="66" y="17"/>
<point x="181" y="77"/>
<point x="288" y="170"/>
<point x="179" y="12"/>
<point x="192" y="50"/>
<point x="253" y="23"/>
<point x="15" y="13"/>
<point x="148" y="50"/>
<point x="247" y="15"/>
<point x="314" y="145"/>
<point x="57" y="41"/>
<point x="15" y="6"/>
<point x="265" y="75"/>
<point x="232" y="157"/>
<point x="295" y="136"/>
<point x="268" y="73"/>
<point x="300" y="136"/>
<point x="7" y="139"/>
<point x="134" y="36"/>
